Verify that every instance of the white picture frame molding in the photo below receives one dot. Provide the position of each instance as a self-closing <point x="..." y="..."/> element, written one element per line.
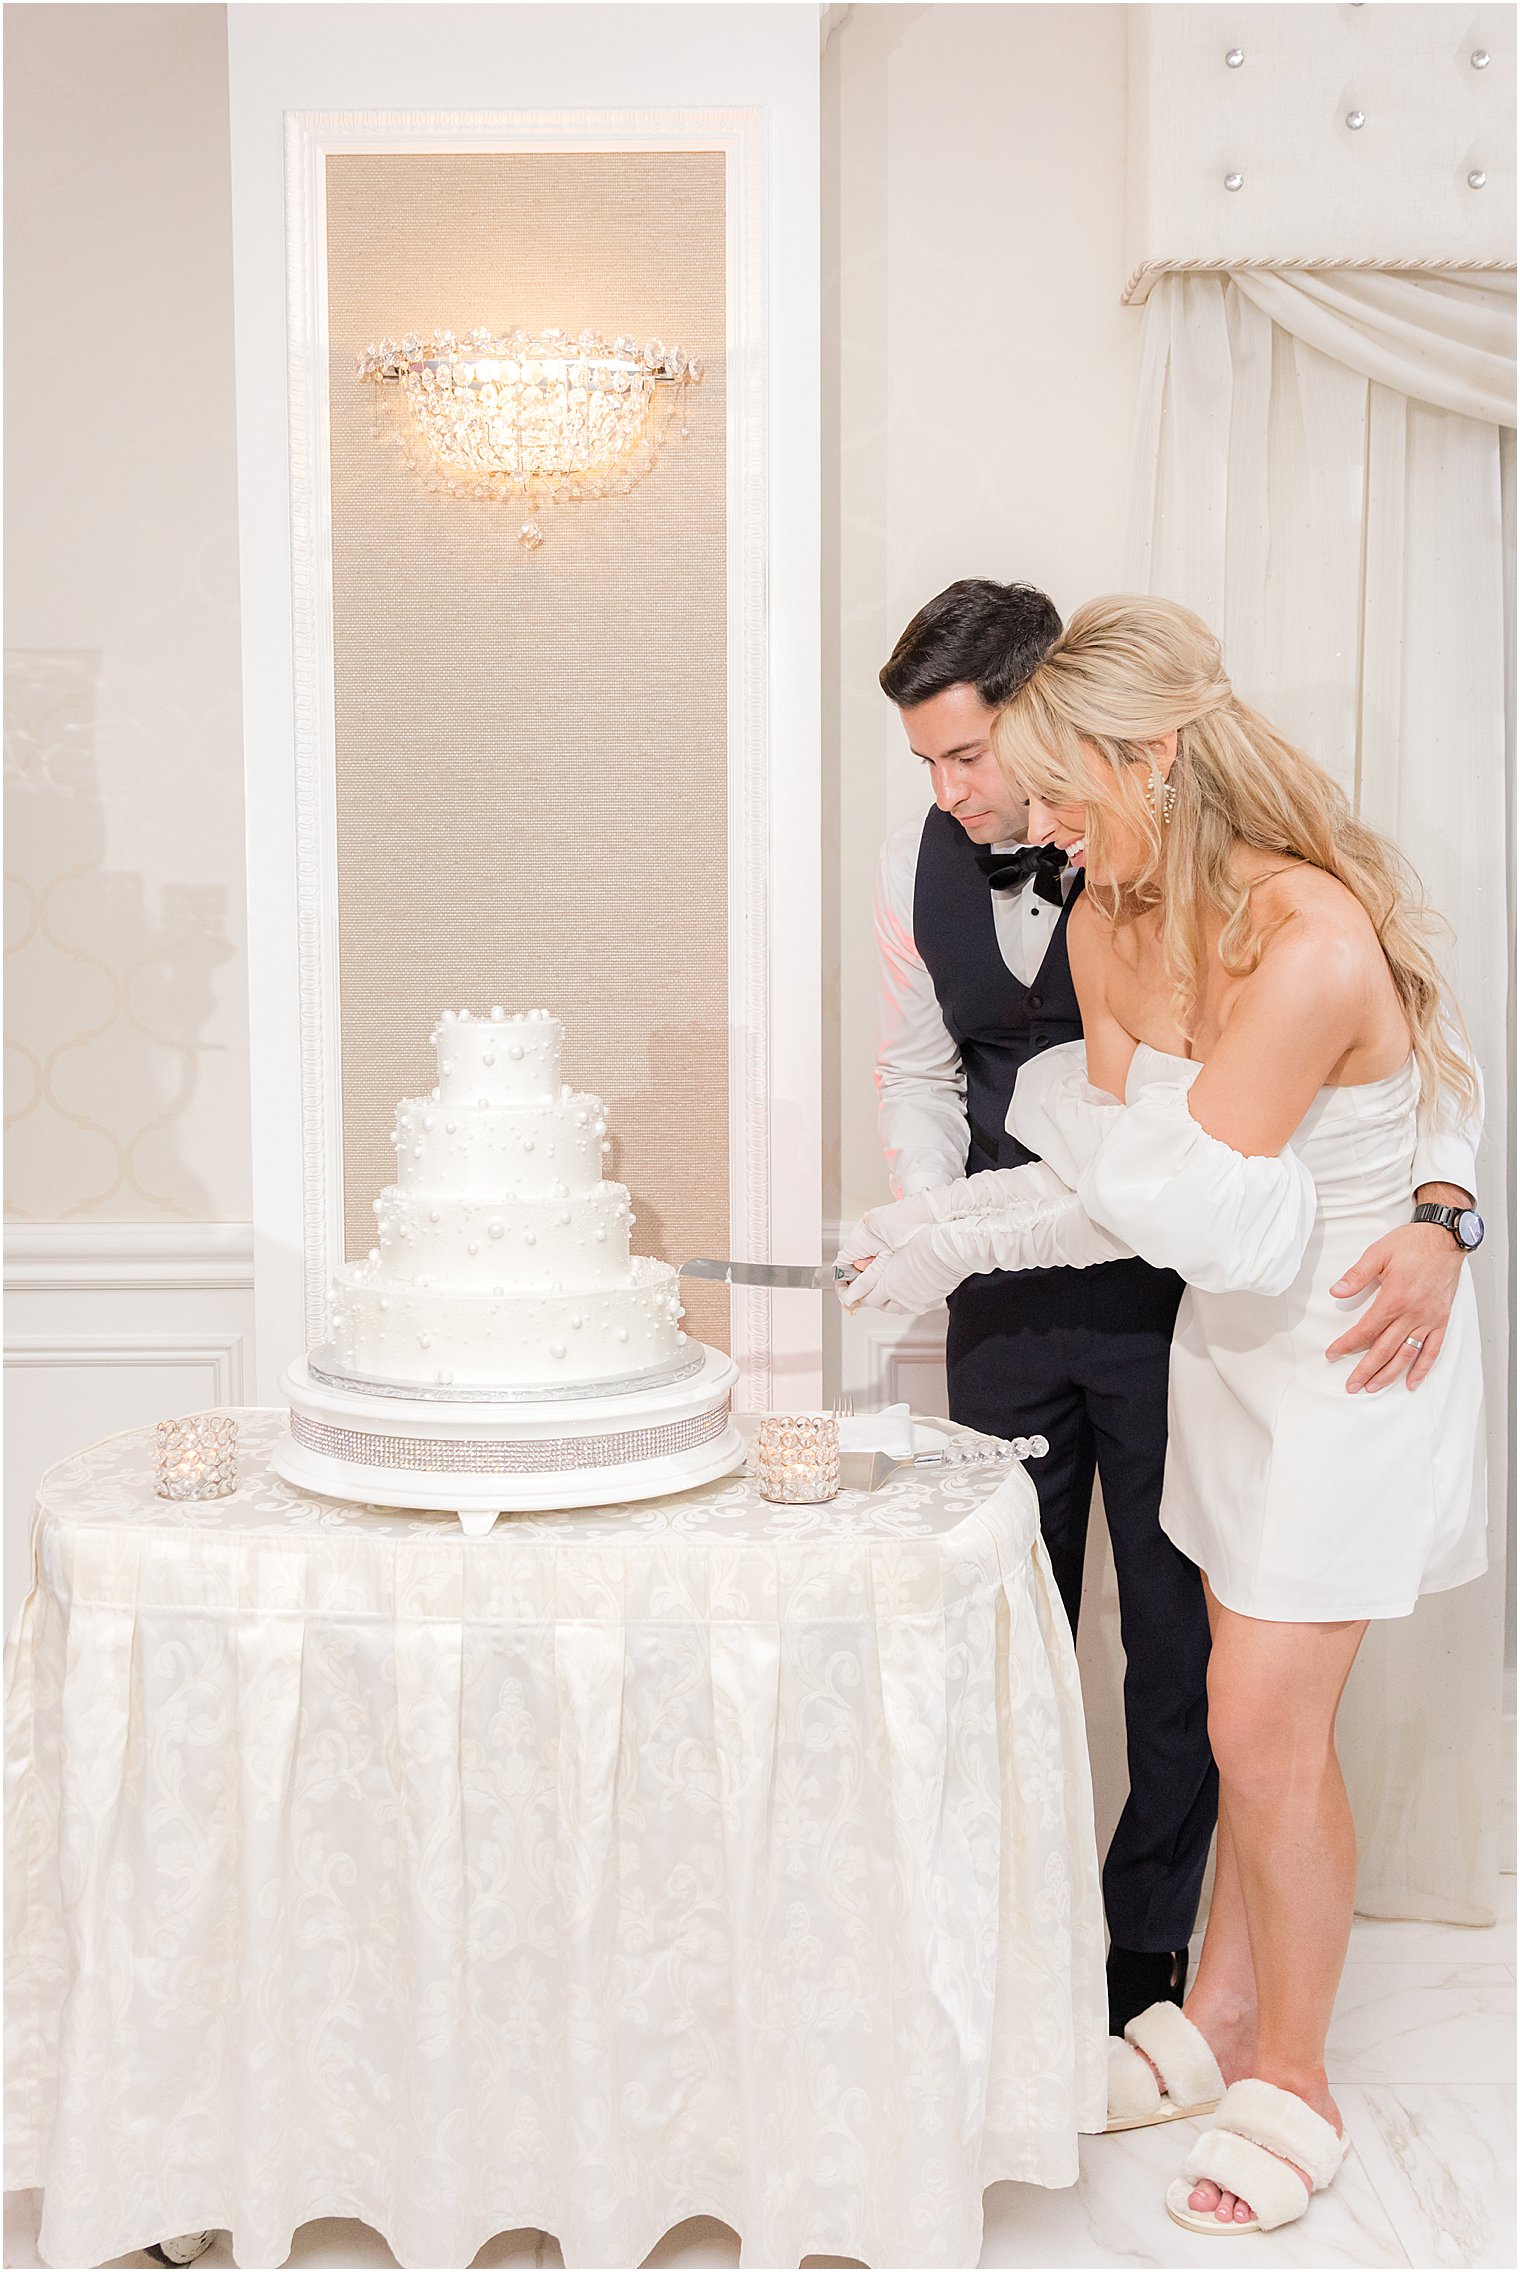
<point x="774" y="935"/>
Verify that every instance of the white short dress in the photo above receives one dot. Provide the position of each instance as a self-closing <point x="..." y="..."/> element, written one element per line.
<point x="1300" y="1503"/>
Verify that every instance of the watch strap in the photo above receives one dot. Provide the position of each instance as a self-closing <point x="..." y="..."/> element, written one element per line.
<point x="1427" y="1211"/>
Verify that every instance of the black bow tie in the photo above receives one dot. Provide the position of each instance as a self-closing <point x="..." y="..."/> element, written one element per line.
<point x="1005" y="871"/>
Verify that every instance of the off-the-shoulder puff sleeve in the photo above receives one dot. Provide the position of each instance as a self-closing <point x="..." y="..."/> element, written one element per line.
<point x="1225" y="1221"/>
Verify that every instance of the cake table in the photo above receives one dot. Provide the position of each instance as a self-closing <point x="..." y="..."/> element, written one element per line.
<point x="696" y="1856"/>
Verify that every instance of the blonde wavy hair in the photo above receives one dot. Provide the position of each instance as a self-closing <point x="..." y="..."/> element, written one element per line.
<point x="1125" y="672"/>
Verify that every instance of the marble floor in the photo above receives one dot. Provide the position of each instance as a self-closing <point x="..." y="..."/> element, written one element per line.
<point x="1422" y="2057"/>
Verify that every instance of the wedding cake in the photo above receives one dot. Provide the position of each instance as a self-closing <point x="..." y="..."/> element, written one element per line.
<point x="504" y="1254"/>
<point x="502" y="1347"/>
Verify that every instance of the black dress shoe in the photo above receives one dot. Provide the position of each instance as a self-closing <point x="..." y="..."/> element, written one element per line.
<point x="1138" y="1978"/>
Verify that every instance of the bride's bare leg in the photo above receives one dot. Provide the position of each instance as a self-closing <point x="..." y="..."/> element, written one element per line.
<point x="1274" y="1690"/>
<point x="1221" y="2002"/>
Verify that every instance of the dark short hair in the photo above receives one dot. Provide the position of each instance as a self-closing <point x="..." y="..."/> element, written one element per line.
<point x="974" y="633"/>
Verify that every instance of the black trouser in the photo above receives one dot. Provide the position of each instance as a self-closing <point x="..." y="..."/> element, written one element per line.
<point x="1098" y="1396"/>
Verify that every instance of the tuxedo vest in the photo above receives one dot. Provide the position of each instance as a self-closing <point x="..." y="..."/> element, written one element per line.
<point x="998" y="1023"/>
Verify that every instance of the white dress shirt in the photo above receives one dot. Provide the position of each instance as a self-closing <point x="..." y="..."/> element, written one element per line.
<point x="920" y="1085"/>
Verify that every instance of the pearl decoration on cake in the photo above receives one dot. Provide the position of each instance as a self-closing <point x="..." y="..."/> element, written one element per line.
<point x="556" y="1349"/>
<point x="1234" y="181"/>
<point x="1479" y="59"/>
<point x="1476" y="178"/>
<point x="497" y="1013"/>
<point x="531" y="1142"/>
<point x="1234" y="57"/>
<point x="1356" y="120"/>
<point x="424" y="1341"/>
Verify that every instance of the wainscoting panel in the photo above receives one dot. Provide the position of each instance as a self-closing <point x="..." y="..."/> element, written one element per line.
<point x="111" y="1326"/>
<point x="883" y="1357"/>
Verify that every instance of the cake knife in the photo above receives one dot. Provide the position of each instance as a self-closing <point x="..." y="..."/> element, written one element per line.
<point x="770" y="1273"/>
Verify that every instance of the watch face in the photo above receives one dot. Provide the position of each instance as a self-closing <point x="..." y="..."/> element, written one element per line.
<point x="1470" y="1227"/>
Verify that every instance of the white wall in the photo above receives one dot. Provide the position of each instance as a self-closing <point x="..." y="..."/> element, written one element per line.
<point x="980" y="384"/>
<point x="979" y="388"/>
<point x="126" y="1012"/>
<point x="128" y="1268"/>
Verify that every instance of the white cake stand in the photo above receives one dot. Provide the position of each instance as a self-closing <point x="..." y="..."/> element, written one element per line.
<point x="477" y="1458"/>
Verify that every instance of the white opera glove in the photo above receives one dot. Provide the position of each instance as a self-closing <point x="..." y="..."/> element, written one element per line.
<point x="1051" y="1233"/>
<point x="892" y="1226"/>
<point x="1228" y="1222"/>
<point x="893" y="1223"/>
<point x="855" y="1243"/>
<point x="1057" y="1113"/>
<point x="913" y="1277"/>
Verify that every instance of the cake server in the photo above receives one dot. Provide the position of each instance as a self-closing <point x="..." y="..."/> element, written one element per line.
<point x="825" y="1275"/>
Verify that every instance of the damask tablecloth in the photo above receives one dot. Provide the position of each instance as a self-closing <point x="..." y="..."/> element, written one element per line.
<point x="698" y="1857"/>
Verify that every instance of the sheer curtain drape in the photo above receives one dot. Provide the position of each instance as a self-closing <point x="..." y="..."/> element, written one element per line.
<point x="1321" y="469"/>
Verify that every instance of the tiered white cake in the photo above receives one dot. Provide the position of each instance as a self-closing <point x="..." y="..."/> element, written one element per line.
<point x="504" y="1257"/>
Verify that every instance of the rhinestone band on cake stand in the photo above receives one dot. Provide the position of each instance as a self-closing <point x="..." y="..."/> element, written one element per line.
<point x="390" y="1446"/>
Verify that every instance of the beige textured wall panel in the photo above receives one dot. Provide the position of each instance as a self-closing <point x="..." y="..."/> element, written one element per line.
<point x="531" y="749"/>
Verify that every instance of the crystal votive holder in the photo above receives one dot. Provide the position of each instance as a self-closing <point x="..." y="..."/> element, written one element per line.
<point x="797" y="1457"/>
<point x="196" y="1458"/>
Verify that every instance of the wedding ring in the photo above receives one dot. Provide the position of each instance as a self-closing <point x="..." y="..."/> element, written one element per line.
<point x="1413" y="1341"/>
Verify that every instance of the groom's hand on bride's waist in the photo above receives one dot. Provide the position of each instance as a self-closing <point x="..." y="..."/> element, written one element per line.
<point x="1416" y="1270"/>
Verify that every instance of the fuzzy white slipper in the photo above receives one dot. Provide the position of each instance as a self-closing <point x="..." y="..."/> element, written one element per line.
<point x="1187" y="2066"/>
<point x="1260" y="2130"/>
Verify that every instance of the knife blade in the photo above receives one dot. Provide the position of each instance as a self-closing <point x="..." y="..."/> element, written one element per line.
<point x="820" y="1278"/>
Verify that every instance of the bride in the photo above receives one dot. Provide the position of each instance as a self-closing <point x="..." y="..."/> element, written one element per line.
<point x="1263" y="1019"/>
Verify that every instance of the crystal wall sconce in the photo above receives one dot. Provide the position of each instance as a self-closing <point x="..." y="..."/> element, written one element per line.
<point x="532" y="419"/>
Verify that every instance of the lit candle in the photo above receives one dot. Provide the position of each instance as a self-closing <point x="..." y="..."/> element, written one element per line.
<point x="195" y="1458"/>
<point x="797" y="1457"/>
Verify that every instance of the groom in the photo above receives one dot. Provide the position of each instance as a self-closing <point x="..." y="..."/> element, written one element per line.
<point x="974" y="981"/>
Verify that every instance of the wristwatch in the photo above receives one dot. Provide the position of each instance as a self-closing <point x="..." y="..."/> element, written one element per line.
<point x="1464" y="1223"/>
